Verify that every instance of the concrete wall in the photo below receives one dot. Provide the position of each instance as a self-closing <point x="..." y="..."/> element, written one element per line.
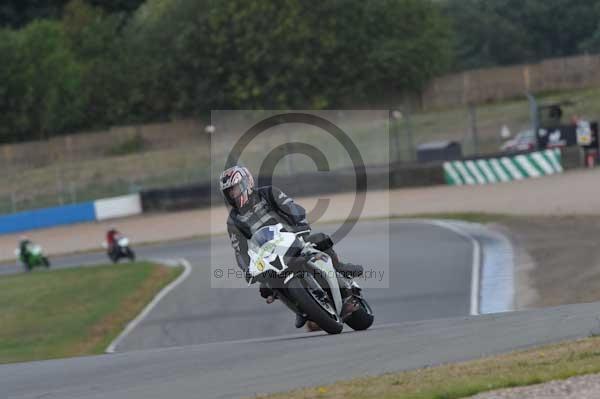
<point x="47" y="217"/>
<point x="111" y="208"/>
<point x="103" y="209"/>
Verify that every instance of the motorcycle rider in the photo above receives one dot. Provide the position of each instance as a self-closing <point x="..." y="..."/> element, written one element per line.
<point x="112" y="236"/>
<point x="24" y="249"/>
<point x="252" y="208"/>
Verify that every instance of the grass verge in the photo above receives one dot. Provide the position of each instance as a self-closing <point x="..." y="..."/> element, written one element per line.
<point x="73" y="312"/>
<point x="554" y="362"/>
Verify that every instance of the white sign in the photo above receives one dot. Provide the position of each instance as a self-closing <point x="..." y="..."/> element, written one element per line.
<point x="584" y="133"/>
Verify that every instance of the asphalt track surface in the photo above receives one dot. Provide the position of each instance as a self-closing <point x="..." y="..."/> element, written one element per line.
<point x="424" y="283"/>
<point x="245" y="368"/>
<point x="230" y="354"/>
<point x="426" y="267"/>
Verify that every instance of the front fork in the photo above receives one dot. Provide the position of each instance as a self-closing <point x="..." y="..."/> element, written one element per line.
<point x="280" y="294"/>
<point x="351" y="294"/>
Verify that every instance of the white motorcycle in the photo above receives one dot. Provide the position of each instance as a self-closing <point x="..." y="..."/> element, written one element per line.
<point x="306" y="281"/>
<point x="121" y="249"/>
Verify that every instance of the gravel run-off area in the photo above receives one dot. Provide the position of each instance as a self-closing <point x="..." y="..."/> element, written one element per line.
<point x="585" y="387"/>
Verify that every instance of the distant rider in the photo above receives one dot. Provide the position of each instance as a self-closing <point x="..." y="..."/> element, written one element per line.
<point x="24" y="245"/>
<point x="112" y="237"/>
<point x="253" y="208"/>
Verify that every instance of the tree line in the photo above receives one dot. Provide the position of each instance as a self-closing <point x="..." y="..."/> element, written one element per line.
<point x="87" y="64"/>
<point x="503" y="32"/>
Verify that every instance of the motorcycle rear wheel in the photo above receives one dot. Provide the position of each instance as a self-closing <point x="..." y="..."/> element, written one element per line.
<point x="314" y="310"/>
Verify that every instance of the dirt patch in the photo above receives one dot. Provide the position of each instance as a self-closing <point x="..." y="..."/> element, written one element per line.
<point x="558" y="259"/>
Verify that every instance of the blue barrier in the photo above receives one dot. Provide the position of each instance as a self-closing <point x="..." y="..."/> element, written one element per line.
<point x="47" y="217"/>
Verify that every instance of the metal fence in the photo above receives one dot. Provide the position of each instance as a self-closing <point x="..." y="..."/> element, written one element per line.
<point x="478" y="129"/>
<point x="84" y="167"/>
<point x="483" y="128"/>
<point x="505" y="83"/>
<point x="72" y="169"/>
<point x="126" y="160"/>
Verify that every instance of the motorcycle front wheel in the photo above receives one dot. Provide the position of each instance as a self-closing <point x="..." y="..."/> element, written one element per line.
<point x="316" y="309"/>
<point x="362" y="318"/>
<point x="114" y="258"/>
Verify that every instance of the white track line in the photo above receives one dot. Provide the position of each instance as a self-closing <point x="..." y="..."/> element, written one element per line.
<point x="476" y="265"/>
<point x="140" y="317"/>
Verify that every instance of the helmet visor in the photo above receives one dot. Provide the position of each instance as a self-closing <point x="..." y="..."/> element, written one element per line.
<point x="236" y="195"/>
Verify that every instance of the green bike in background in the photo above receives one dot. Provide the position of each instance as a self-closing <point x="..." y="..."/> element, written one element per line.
<point x="31" y="255"/>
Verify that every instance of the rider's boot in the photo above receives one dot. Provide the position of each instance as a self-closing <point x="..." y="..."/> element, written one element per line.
<point x="300" y="320"/>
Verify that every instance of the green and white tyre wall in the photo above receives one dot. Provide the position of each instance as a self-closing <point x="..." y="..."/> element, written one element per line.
<point x="503" y="169"/>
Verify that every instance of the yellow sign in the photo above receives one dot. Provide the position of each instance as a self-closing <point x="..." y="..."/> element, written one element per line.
<point x="260" y="265"/>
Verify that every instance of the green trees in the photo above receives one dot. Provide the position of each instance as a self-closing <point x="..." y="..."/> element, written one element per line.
<point x="408" y="42"/>
<point x="171" y="58"/>
<point x="292" y="53"/>
<point x="95" y="39"/>
<point x="84" y="64"/>
<point x="18" y="13"/>
<point x="40" y="82"/>
<point x="59" y="75"/>
<point x="502" y="32"/>
<point x="10" y="85"/>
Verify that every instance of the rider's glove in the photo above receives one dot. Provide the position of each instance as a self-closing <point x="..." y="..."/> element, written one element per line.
<point x="265" y="292"/>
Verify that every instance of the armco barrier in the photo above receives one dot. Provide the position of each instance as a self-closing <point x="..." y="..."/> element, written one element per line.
<point x="301" y="185"/>
<point x="503" y="169"/>
<point x="416" y="175"/>
<point x="177" y="198"/>
<point x="397" y="175"/>
<point x="47" y="217"/>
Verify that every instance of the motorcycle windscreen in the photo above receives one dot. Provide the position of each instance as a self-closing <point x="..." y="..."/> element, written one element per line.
<point x="264" y="235"/>
<point x="267" y="234"/>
